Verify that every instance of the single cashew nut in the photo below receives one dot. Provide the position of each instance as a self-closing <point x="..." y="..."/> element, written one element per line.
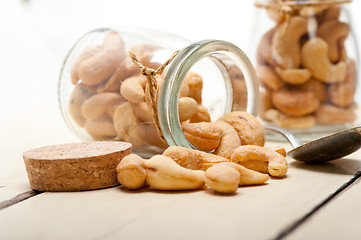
<point x="101" y="103"/>
<point x="280" y="150"/>
<point x="289" y="122"/>
<point x="133" y="89"/>
<point x="85" y="54"/>
<point x="260" y="159"/>
<point x="334" y="34"/>
<point x="314" y="57"/>
<point x="202" y="115"/>
<point x="248" y="176"/>
<point x="187" y="108"/>
<point x="126" y="69"/>
<point x="101" y="66"/>
<point x="165" y="174"/>
<point x="247" y="126"/>
<point x="328" y="114"/>
<point x="269" y="77"/>
<point x="295" y="102"/>
<point x="285" y="42"/>
<point x="229" y="140"/>
<point x="193" y="159"/>
<point x="79" y="94"/>
<point x="100" y="129"/>
<point x="315" y="86"/>
<point x="131" y="171"/>
<point x="239" y="91"/>
<point x="294" y="76"/>
<point x="264" y="55"/>
<point x="195" y="85"/>
<point x="222" y="178"/>
<point x="341" y="94"/>
<point x="142" y="111"/>
<point x="205" y="136"/>
<point x="124" y="118"/>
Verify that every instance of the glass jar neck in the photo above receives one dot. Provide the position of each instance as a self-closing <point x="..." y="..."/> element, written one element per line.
<point x="219" y="52"/>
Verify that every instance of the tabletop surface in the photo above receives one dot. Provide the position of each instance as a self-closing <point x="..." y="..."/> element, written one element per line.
<point x="304" y="205"/>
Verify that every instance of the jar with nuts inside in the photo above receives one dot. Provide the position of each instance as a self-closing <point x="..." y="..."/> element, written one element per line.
<point x="307" y="62"/>
<point x="139" y="85"/>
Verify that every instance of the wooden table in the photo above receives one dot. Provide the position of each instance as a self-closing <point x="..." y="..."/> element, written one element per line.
<point x="288" y="208"/>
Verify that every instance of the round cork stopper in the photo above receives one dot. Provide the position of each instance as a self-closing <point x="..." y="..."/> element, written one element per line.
<point x="75" y="166"/>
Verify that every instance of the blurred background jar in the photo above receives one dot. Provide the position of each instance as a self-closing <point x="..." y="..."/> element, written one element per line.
<point x="306" y="57"/>
<point x="104" y="94"/>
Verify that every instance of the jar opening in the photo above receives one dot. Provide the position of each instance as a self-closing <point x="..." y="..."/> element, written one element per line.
<point x="220" y="53"/>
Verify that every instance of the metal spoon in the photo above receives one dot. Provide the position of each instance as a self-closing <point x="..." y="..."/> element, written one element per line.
<point x="324" y="149"/>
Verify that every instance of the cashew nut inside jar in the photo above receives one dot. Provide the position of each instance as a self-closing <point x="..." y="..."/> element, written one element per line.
<point x="306" y="58"/>
<point x="139" y="85"/>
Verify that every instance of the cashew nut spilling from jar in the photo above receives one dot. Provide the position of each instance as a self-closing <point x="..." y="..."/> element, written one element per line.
<point x="229" y="140"/>
<point x="202" y="115"/>
<point x="102" y="65"/>
<point x="205" y="136"/>
<point x="247" y="126"/>
<point x="285" y="43"/>
<point x="165" y="174"/>
<point x="193" y="159"/>
<point x="131" y="171"/>
<point x="248" y="176"/>
<point x="222" y="178"/>
<point x="315" y="58"/>
<point x="334" y="34"/>
<point x="101" y="103"/>
<point x="260" y="159"/>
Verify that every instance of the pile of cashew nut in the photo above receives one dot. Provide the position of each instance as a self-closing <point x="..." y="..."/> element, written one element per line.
<point x="306" y="76"/>
<point x="230" y="153"/>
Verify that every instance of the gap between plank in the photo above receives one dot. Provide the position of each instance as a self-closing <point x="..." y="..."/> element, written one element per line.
<point x="300" y="221"/>
<point x="18" y="198"/>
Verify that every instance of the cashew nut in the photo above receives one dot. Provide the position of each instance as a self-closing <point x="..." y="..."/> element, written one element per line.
<point x="100" y="129"/>
<point x="85" y="54"/>
<point x="193" y="159"/>
<point x="289" y="122"/>
<point x="124" y="118"/>
<point x="247" y="126"/>
<point x="100" y="104"/>
<point x="205" y="136"/>
<point x="314" y="57"/>
<point x="202" y="115"/>
<point x="285" y="43"/>
<point x="260" y="159"/>
<point x="269" y="77"/>
<point x="133" y="88"/>
<point x="165" y="174"/>
<point x="131" y="171"/>
<point x="328" y="114"/>
<point x="222" y="178"/>
<point x="295" y="102"/>
<point x="102" y="65"/>
<point x="317" y="87"/>
<point x="334" y="34"/>
<point x="195" y="85"/>
<point x="229" y="140"/>
<point x="264" y="55"/>
<point x="294" y="76"/>
<point x="187" y="108"/>
<point x="248" y="176"/>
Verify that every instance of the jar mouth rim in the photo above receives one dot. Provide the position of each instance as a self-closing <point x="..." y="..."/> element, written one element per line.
<point x="176" y="73"/>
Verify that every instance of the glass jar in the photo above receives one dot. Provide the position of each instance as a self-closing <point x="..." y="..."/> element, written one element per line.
<point x="104" y="96"/>
<point x="306" y="58"/>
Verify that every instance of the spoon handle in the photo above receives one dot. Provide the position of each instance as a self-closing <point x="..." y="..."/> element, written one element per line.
<point x="295" y="142"/>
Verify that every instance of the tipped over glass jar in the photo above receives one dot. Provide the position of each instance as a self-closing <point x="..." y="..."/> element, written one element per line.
<point x="307" y="62"/>
<point x="105" y="94"/>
